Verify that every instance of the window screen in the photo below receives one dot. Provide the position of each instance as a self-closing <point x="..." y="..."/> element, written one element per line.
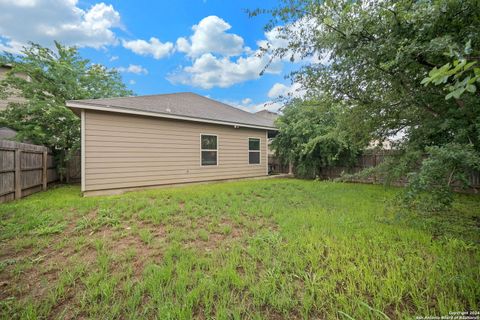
<point x="209" y="150"/>
<point x="254" y="151"/>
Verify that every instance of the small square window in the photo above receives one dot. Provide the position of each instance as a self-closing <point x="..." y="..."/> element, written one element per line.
<point x="209" y="150"/>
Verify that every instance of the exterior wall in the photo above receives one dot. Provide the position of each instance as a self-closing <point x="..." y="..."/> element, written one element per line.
<point x="14" y="96"/>
<point x="3" y="103"/>
<point x="126" y="151"/>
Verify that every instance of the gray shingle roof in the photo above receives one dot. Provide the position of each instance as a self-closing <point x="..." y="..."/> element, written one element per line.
<point x="7" y="133"/>
<point x="268" y="114"/>
<point x="185" y="104"/>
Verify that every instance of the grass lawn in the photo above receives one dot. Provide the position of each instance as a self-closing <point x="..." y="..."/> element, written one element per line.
<point x="272" y="249"/>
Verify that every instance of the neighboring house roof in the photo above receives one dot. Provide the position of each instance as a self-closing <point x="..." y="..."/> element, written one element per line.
<point x="182" y="106"/>
<point x="7" y="133"/>
<point x="268" y="114"/>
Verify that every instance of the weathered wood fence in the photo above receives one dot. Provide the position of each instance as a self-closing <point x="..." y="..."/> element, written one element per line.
<point x="74" y="169"/>
<point x="24" y="169"/>
<point x="372" y="159"/>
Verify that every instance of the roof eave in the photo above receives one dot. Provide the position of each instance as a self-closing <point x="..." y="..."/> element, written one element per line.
<point x="75" y="105"/>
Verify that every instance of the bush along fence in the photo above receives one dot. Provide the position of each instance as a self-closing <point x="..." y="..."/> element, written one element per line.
<point x="27" y="168"/>
<point x="374" y="158"/>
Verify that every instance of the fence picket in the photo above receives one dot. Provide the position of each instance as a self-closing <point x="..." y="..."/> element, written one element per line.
<point x="26" y="169"/>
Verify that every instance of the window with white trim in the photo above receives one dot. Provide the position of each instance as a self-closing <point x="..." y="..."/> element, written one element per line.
<point x="209" y="149"/>
<point x="253" y="151"/>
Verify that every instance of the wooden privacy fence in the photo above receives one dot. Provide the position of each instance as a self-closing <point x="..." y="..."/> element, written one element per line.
<point x="24" y="169"/>
<point x="372" y="159"/>
<point x="73" y="173"/>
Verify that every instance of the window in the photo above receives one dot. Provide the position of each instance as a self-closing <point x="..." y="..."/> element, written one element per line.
<point x="253" y="151"/>
<point x="209" y="149"/>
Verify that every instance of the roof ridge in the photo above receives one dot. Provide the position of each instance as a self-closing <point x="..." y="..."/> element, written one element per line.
<point x="185" y="104"/>
<point x="174" y="93"/>
<point x="135" y="96"/>
<point x="225" y="104"/>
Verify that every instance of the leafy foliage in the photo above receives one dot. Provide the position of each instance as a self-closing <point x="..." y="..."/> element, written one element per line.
<point x="309" y="139"/>
<point x="454" y="72"/>
<point x="443" y="169"/>
<point x="46" y="79"/>
<point x="379" y="52"/>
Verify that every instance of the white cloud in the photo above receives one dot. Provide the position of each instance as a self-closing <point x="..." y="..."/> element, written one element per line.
<point x="274" y="39"/>
<point x="275" y="103"/>
<point x="132" y="82"/>
<point x="278" y="95"/>
<point x="209" y="71"/>
<point x="153" y="48"/>
<point x="280" y="37"/>
<point x="246" y="101"/>
<point x="254" y="107"/>
<point x="209" y="36"/>
<point x="280" y="90"/>
<point x="114" y="58"/>
<point x="267" y="105"/>
<point x="220" y="59"/>
<point x="133" y="68"/>
<point x="322" y="58"/>
<point x="43" y="21"/>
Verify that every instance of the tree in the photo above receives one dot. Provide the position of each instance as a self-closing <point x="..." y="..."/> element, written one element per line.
<point x="380" y="51"/>
<point x="458" y="77"/>
<point x="444" y="168"/>
<point x="308" y="137"/>
<point x="46" y="79"/>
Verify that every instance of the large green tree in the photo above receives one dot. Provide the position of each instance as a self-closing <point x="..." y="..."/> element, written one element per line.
<point x="380" y="51"/>
<point x="46" y="78"/>
<point x="309" y="137"/>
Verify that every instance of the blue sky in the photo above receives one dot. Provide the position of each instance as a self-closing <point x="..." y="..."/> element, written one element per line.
<point x="205" y="46"/>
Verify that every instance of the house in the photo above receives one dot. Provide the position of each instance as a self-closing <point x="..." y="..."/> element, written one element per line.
<point x="13" y="95"/>
<point x="3" y="72"/>
<point x="268" y="114"/>
<point x="148" y="141"/>
<point x="5" y="132"/>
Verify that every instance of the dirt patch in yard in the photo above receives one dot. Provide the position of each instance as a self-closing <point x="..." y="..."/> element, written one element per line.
<point x="34" y="272"/>
<point x="212" y="234"/>
<point x="181" y="204"/>
<point x="35" y="275"/>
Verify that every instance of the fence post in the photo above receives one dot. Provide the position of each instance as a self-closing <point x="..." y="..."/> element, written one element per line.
<point x="67" y="171"/>
<point x="44" y="170"/>
<point x="18" y="174"/>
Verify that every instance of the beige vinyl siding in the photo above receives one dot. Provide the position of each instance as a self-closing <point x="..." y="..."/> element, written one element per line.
<point x="125" y="151"/>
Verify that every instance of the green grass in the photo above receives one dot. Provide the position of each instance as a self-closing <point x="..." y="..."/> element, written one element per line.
<point x="267" y="249"/>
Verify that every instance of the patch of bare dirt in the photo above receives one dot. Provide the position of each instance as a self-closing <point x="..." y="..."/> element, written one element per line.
<point x="226" y="232"/>
<point x="130" y="241"/>
<point x="33" y="271"/>
<point x="181" y="204"/>
<point x="40" y="271"/>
